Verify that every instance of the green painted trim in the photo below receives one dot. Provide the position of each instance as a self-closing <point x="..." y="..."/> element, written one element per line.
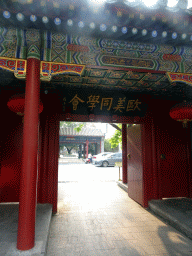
<point x="19" y="37"/>
<point x="33" y="52"/>
<point x="43" y="40"/>
<point x="74" y="40"/>
<point x="68" y="57"/>
<point x="48" y="54"/>
<point x="77" y="58"/>
<point x="182" y="68"/>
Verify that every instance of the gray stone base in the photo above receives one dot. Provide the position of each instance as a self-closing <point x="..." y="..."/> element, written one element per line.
<point x="9" y="226"/>
<point x="175" y="211"/>
<point x="123" y="186"/>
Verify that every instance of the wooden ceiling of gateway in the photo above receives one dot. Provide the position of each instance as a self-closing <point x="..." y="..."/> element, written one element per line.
<point x="117" y="19"/>
<point x="122" y="22"/>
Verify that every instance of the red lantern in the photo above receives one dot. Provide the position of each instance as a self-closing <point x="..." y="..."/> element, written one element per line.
<point x="182" y="112"/>
<point x="17" y="104"/>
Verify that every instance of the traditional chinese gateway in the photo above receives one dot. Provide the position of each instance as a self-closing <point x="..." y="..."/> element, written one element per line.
<point x="55" y="67"/>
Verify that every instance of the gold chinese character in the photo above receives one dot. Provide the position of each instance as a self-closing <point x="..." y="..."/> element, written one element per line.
<point x="75" y="101"/>
<point x="93" y="100"/>
<point x="120" y="104"/>
<point x="106" y="102"/>
<point x="133" y="104"/>
<point x="64" y="102"/>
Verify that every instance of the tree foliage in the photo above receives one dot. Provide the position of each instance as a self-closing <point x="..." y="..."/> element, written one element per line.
<point x="107" y="146"/>
<point x="117" y="137"/>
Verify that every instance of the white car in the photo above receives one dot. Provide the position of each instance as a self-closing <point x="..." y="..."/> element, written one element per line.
<point x="96" y="158"/>
<point x="110" y="160"/>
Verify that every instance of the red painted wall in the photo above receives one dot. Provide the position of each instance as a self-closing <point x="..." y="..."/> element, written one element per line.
<point x="10" y="152"/>
<point x="48" y="153"/>
<point x="172" y="141"/>
<point x="11" y="138"/>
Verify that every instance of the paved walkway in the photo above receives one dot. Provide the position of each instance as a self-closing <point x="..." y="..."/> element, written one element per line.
<point x="98" y="218"/>
<point x="71" y="160"/>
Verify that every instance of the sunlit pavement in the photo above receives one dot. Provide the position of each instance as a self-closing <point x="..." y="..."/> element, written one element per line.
<point x="87" y="172"/>
<point x="98" y="218"/>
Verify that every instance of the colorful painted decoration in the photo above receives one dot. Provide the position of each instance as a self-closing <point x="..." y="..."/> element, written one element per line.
<point x="144" y="32"/>
<point x="174" y="35"/>
<point x="134" y="31"/>
<point x="180" y="77"/>
<point x="81" y="24"/>
<point x="92" y="25"/>
<point x="103" y="27"/>
<point x="18" y="66"/>
<point x="164" y="34"/>
<point x="48" y="69"/>
<point x="154" y="33"/>
<point x="45" y="19"/>
<point x="33" y="18"/>
<point x="70" y="22"/>
<point x="124" y="30"/>
<point x="20" y="16"/>
<point x="57" y="21"/>
<point x="6" y="14"/>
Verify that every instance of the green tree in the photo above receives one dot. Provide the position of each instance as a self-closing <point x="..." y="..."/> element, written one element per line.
<point x="116" y="139"/>
<point x="107" y="146"/>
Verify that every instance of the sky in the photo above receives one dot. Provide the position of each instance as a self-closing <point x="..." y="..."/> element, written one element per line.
<point x="106" y="128"/>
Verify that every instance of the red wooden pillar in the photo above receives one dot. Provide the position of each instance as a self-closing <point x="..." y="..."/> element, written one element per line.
<point x="124" y="153"/>
<point x="28" y="185"/>
<point x="87" y="148"/>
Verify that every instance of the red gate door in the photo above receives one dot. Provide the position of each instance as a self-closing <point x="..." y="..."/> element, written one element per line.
<point x="135" y="164"/>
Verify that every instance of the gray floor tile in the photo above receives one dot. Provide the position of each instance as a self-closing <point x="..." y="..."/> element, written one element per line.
<point x="116" y="225"/>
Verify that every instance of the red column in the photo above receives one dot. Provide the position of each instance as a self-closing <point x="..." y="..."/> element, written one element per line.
<point x="28" y="186"/>
<point x="124" y="153"/>
<point x="87" y="148"/>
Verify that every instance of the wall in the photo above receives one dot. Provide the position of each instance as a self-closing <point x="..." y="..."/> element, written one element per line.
<point x="172" y="153"/>
<point x="150" y="176"/>
<point x="11" y="140"/>
<point x="10" y="151"/>
<point x="48" y="152"/>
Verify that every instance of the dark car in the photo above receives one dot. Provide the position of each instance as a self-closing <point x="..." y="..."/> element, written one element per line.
<point x="110" y="160"/>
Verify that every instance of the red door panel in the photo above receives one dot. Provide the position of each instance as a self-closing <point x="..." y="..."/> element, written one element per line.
<point x="135" y="166"/>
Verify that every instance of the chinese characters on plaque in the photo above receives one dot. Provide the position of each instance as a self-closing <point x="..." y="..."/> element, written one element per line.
<point x="117" y="105"/>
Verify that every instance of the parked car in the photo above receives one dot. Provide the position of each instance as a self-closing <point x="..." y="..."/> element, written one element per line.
<point x="110" y="160"/>
<point x="98" y="157"/>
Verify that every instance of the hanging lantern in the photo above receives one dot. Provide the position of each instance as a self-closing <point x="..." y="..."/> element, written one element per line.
<point x="182" y="112"/>
<point x="17" y="104"/>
